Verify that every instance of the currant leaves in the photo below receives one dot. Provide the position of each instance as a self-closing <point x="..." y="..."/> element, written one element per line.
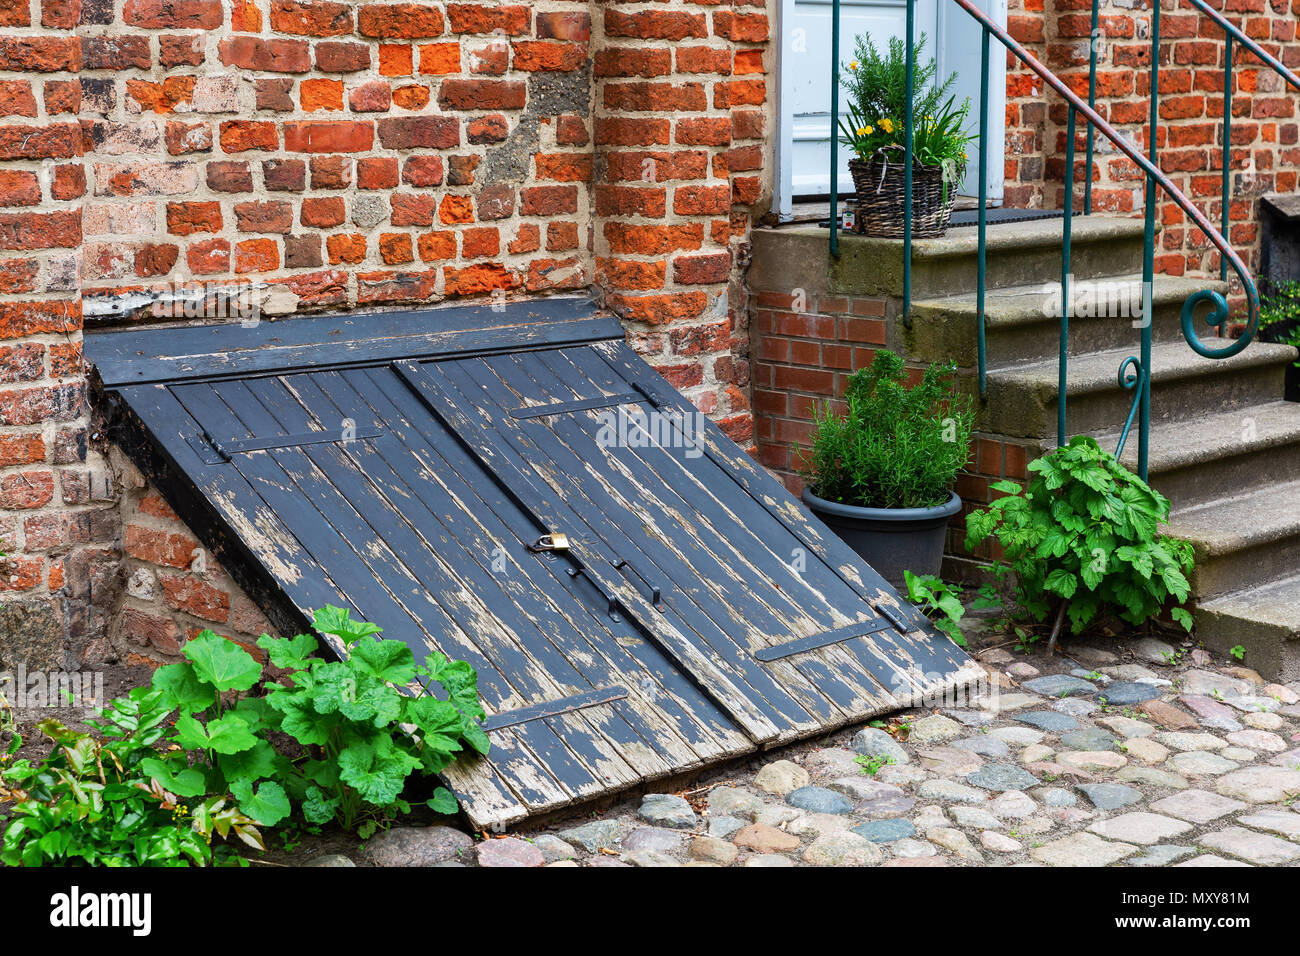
<point x="1086" y="532"/>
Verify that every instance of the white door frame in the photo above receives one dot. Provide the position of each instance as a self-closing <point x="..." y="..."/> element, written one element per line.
<point x="955" y="52"/>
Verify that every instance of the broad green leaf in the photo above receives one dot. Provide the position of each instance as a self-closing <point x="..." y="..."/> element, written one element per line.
<point x="377" y="771"/>
<point x="390" y="661"/>
<point x="1061" y="582"/>
<point x="338" y="621"/>
<point x="190" y="733"/>
<point x="268" y="804"/>
<point x="1175" y="581"/>
<point x="476" y="737"/>
<point x="444" y="801"/>
<point x="318" y="807"/>
<point x="226" y="735"/>
<point x="301" y="720"/>
<point x="254" y="763"/>
<point x="258" y="713"/>
<point x="182" y="781"/>
<point x="290" y="653"/>
<point x="222" y="663"/>
<point x="1183" y="617"/>
<point x="230" y="735"/>
<point x="182" y="688"/>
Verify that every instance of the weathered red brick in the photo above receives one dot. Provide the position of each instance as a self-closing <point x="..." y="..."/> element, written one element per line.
<point x="405" y="20"/>
<point x="331" y="137"/>
<point x="313" y="18"/>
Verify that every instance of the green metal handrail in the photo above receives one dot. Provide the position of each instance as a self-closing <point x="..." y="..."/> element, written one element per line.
<point x="1231" y="33"/>
<point x="1135" y="371"/>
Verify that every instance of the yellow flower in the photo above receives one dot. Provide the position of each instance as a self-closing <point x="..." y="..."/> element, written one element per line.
<point x="854" y="66"/>
<point x="865" y="130"/>
<point x="887" y="125"/>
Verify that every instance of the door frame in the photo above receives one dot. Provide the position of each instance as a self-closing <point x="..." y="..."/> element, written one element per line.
<point x="953" y="50"/>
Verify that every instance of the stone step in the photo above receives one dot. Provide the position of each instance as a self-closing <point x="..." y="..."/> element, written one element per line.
<point x="1022" y="398"/>
<point x="1245" y="541"/>
<point x="1025" y="253"/>
<point x="1263" y="620"/>
<point x="1219" y="455"/>
<point x="1022" y="323"/>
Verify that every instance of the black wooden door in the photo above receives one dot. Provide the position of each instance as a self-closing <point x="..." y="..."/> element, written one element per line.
<point x="719" y="575"/>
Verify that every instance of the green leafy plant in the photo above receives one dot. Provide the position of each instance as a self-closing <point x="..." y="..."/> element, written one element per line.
<point x="871" y="765"/>
<point x="192" y="756"/>
<point x="941" y="603"/>
<point x="1083" y="538"/>
<point x="1283" y="307"/>
<point x="876" y="93"/>
<point x="1238" y="652"/>
<point x="94" y="802"/>
<point x="892" y="446"/>
<point x="361" y="735"/>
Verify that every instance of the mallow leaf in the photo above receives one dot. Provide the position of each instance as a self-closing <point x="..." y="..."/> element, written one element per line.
<point x="222" y="663"/>
<point x="268" y="804"/>
<point x="290" y="653"/>
<point x="444" y="801"/>
<point x="182" y="688"/>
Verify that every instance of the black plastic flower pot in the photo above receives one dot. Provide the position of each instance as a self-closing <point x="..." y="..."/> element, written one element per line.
<point x="891" y="540"/>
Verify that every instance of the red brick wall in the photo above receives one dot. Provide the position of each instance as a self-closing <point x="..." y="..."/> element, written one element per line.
<point x="805" y="347"/>
<point x="173" y="587"/>
<point x="57" y="523"/>
<point x="339" y="155"/>
<point x="682" y="110"/>
<point x="1265" y="155"/>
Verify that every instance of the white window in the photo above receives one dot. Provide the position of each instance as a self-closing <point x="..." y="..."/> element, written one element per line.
<point x="804" y="82"/>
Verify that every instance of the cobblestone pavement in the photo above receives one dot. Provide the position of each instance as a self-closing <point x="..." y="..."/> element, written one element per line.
<point x="1143" y="754"/>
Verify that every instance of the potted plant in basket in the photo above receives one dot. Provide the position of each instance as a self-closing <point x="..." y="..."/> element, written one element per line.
<point x="873" y="130"/>
<point x="880" y="473"/>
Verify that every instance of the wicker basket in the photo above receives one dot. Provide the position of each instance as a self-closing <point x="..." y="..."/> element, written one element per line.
<point x="882" y="193"/>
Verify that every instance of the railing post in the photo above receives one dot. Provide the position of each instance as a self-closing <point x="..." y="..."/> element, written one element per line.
<point x="1149" y="251"/>
<point x="835" y="127"/>
<point x="983" y="210"/>
<point x="1092" y="104"/>
<point x="907" y="159"/>
<point x="1227" y="149"/>
<point x="1062" y="366"/>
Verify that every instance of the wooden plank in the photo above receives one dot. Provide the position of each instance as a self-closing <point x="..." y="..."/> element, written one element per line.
<point x="174" y="353"/>
<point x="330" y="528"/>
<point x="444" y="400"/>
<point x="447" y="531"/>
<point x="581" y="761"/>
<point x="750" y="537"/>
<point x="724" y="608"/>
<point x="579" y="405"/>
<point x="251" y="542"/>
<point x="692" y="713"/>
<point x="239" y="446"/>
<point x="552" y="708"/>
<point x="817" y="641"/>
<point x="923" y="650"/>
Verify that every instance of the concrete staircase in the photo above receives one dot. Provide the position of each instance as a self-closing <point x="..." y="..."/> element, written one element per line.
<point x="1224" y="447"/>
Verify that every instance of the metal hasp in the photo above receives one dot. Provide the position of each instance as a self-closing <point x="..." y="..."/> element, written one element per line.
<point x="627" y="602"/>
